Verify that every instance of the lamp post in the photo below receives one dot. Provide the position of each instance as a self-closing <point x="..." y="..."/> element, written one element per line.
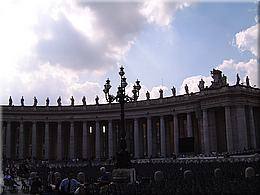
<point x="123" y="158"/>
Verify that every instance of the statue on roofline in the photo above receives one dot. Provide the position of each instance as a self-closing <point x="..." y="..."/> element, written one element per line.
<point x="173" y="91"/>
<point x="247" y="81"/>
<point x="72" y="101"/>
<point x="47" y="101"/>
<point x="35" y="101"/>
<point x="10" y="101"/>
<point x="218" y="79"/>
<point x="161" y="93"/>
<point x="59" y="101"/>
<point x="201" y="85"/>
<point x="238" y="79"/>
<point x="97" y="99"/>
<point x="147" y="95"/>
<point x="186" y="89"/>
<point x="224" y="80"/>
<point x="84" y="101"/>
<point x="22" y="101"/>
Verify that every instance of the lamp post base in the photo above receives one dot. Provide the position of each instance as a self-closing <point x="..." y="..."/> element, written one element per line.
<point x="123" y="160"/>
<point x="124" y="176"/>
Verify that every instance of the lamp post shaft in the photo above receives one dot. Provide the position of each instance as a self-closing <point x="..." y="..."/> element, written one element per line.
<point x="123" y="132"/>
<point x="123" y="157"/>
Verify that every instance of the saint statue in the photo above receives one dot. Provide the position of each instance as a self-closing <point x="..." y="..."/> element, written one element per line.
<point x="59" y="101"/>
<point x="84" y="101"/>
<point x="10" y="101"/>
<point x="161" y="93"/>
<point x="186" y="89"/>
<point x="35" y="101"/>
<point x="238" y="79"/>
<point x="247" y="82"/>
<point x="22" y="101"/>
<point x="96" y="99"/>
<point x="47" y="101"/>
<point x="201" y="84"/>
<point x="224" y="80"/>
<point x="173" y="91"/>
<point x="72" y="101"/>
<point x="147" y="95"/>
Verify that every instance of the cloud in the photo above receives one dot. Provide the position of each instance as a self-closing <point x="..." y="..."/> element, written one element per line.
<point x="193" y="82"/>
<point x="154" y="92"/>
<point x="244" y="69"/>
<point x="161" y="12"/>
<point x="246" y="40"/>
<point x="51" y="81"/>
<point x="64" y="47"/>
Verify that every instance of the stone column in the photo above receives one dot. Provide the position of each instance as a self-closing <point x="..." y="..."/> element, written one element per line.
<point x="47" y="140"/>
<point x="241" y="127"/>
<point x="162" y="132"/>
<point x="84" y="140"/>
<point x="97" y="140"/>
<point x="136" y="138"/>
<point x="8" y="140"/>
<point x="176" y="133"/>
<point x="213" y="144"/>
<point x="21" y="141"/>
<point x="72" y="141"/>
<point x="149" y="137"/>
<point x="252" y="127"/>
<point x="189" y="125"/>
<point x="59" y="146"/>
<point x="205" y="125"/>
<point x="110" y="140"/>
<point x="229" y="134"/>
<point x="34" y="140"/>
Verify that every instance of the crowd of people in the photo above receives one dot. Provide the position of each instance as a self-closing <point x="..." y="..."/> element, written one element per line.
<point x="232" y="175"/>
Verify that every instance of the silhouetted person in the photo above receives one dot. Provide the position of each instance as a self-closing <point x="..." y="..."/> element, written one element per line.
<point x="47" y="101"/>
<point x="69" y="185"/>
<point x="36" y="186"/>
<point x="22" y="101"/>
<point x="10" y="101"/>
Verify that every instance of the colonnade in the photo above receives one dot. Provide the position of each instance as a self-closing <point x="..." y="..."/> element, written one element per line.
<point x="227" y="128"/>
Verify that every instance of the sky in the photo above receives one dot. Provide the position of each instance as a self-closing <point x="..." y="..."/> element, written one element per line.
<point x="52" y="48"/>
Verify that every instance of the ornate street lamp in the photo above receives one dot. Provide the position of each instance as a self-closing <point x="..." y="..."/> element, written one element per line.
<point x="123" y="158"/>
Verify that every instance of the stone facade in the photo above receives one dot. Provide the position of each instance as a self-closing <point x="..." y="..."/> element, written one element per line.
<point x="222" y="119"/>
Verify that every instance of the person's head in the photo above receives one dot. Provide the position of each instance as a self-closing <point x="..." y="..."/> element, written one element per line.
<point x="81" y="177"/>
<point x="70" y="175"/>
<point x="102" y="170"/>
